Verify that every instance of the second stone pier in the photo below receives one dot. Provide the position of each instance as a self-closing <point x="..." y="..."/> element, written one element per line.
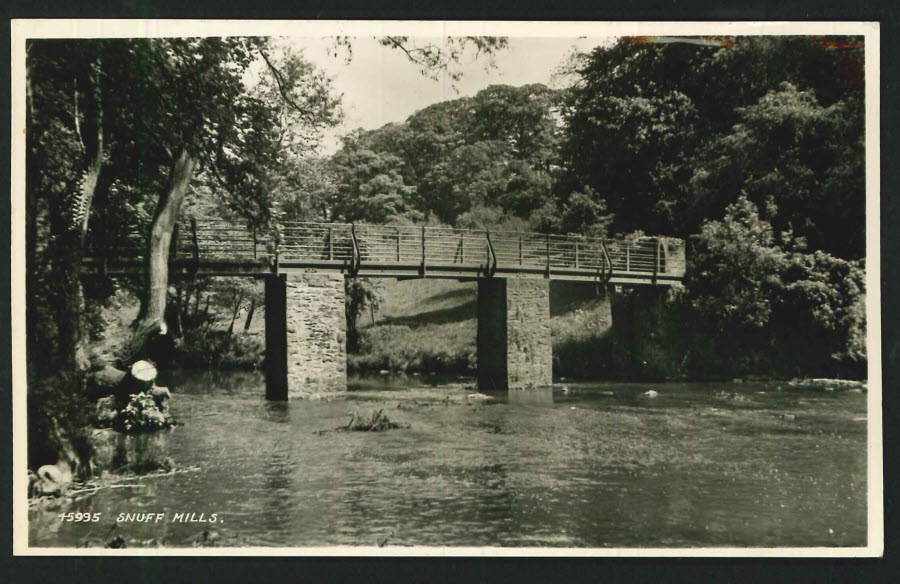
<point x="306" y="332"/>
<point x="514" y="345"/>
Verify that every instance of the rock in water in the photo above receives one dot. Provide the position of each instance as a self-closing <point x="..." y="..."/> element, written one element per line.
<point x="161" y="395"/>
<point x="54" y="477"/>
<point x="105" y="413"/>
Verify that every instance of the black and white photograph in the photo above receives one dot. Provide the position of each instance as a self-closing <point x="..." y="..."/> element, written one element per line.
<point x="446" y="288"/>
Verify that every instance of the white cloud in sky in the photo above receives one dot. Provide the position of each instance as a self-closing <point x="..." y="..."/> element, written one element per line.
<point x="380" y="85"/>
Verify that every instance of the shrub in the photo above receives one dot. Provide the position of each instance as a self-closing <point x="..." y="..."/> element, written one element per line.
<point x="141" y="415"/>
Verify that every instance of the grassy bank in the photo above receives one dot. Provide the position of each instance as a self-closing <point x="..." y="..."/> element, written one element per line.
<point x="431" y="326"/>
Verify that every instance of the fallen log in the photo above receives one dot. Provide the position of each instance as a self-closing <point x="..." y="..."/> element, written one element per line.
<point x="104" y="383"/>
<point x="143" y="374"/>
<point x="140" y="378"/>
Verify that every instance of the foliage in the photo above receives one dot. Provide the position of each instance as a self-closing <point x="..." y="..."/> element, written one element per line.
<point x="804" y="162"/>
<point x="370" y="187"/>
<point x="496" y="149"/>
<point x="436" y="59"/>
<point x="669" y="135"/>
<point x="141" y="414"/>
<point x="797" y="310"/>
<point x="430" y="348"/>
<point x="360" y="294"/>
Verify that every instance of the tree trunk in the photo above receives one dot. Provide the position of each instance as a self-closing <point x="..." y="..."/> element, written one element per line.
<point x="152" y="320"/>
<point x="69" y="220"/>
<point x="93" y="148"/>
<point x="250" y="314"/>
<point x="236" y="308"/>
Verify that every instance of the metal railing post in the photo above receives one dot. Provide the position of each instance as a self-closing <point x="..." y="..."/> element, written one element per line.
<point x="548" y="255"/>
<point x="660" y="251"/>
<point x="521" y="252"/>
<point x="331" y="242"/>
<point x="254" y="242"/>
<point x="397" y="230"/>
<point x="576" y="255"/>
<point x="423" y="251"/>
<point x="656" y="263"/>
<point x="491" y="265"/>
<point x="627" y="257"/>
<point x="194" y="239"/>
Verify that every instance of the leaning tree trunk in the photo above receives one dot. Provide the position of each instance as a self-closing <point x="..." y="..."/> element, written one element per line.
<point x="250" y="314"/>
<point x="152" y="319"/>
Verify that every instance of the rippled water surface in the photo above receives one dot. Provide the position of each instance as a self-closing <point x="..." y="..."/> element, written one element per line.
<point x="596" y="465"/>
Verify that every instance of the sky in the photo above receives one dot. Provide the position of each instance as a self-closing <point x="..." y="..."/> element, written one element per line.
<point x="381" y="86"/>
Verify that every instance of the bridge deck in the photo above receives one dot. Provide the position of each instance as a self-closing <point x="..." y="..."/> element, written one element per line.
<point x="220" y="248"/>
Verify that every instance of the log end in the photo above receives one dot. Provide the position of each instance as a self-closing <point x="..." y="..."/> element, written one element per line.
<point x="143" y="371"/>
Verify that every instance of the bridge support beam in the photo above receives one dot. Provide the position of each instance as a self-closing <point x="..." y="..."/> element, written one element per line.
<point x="514" y="345"/>
<point x="306" y="331"/>
<point x="647" y="333"/>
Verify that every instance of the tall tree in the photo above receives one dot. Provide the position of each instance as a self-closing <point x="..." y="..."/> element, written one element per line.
<point x="802" y="162"/>
<point x="639" y="114"/>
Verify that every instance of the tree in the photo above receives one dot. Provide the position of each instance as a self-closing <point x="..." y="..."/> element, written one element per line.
<point x="370" y="187"/>
<point x="785" y="312"/>
<point x="206" y="121"/>
<point x="804" y="162"/>
<point x="643" y="119"/>
<point x="65" y="149"/>
<point x="634" y="151"/>
<point x="496" y="149"/>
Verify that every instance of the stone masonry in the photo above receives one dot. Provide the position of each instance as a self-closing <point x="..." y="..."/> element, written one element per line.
<point x="315" y="335"/>
<point x="515" y="348"/>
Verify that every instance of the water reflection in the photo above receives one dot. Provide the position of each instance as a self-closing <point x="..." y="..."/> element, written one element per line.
<point x="276" y="493"/>
<point x="536" y="396"/>
<point x="278" y="412"/>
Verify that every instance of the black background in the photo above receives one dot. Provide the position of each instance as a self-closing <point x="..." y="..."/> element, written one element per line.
<point x="496" y="570"/>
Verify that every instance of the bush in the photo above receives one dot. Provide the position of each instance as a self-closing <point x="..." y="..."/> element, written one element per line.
<point x="776" y="311"/>
<point x="203" y="348"/>
<point x="141" y="415"/>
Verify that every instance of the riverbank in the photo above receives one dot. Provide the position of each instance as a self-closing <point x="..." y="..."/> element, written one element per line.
<point x="430" y="326"/>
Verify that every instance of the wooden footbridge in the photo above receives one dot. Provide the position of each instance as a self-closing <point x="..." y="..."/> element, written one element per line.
<point x="304" y="266"/>
<point x="213" y="247"/>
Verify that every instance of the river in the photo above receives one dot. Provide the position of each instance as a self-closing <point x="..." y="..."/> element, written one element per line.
<point x="587" y="465"/>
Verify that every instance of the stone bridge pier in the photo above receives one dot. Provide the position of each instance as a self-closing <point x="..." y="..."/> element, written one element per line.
<point x="306" y="333"/>
<point x="514" y="345"/>
<point x="648" y="333"/>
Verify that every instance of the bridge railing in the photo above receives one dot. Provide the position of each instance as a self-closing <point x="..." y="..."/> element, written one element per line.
<point x="204" y="239"/>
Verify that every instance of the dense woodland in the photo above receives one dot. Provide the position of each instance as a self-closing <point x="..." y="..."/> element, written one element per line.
<point x="753" y="149"/>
